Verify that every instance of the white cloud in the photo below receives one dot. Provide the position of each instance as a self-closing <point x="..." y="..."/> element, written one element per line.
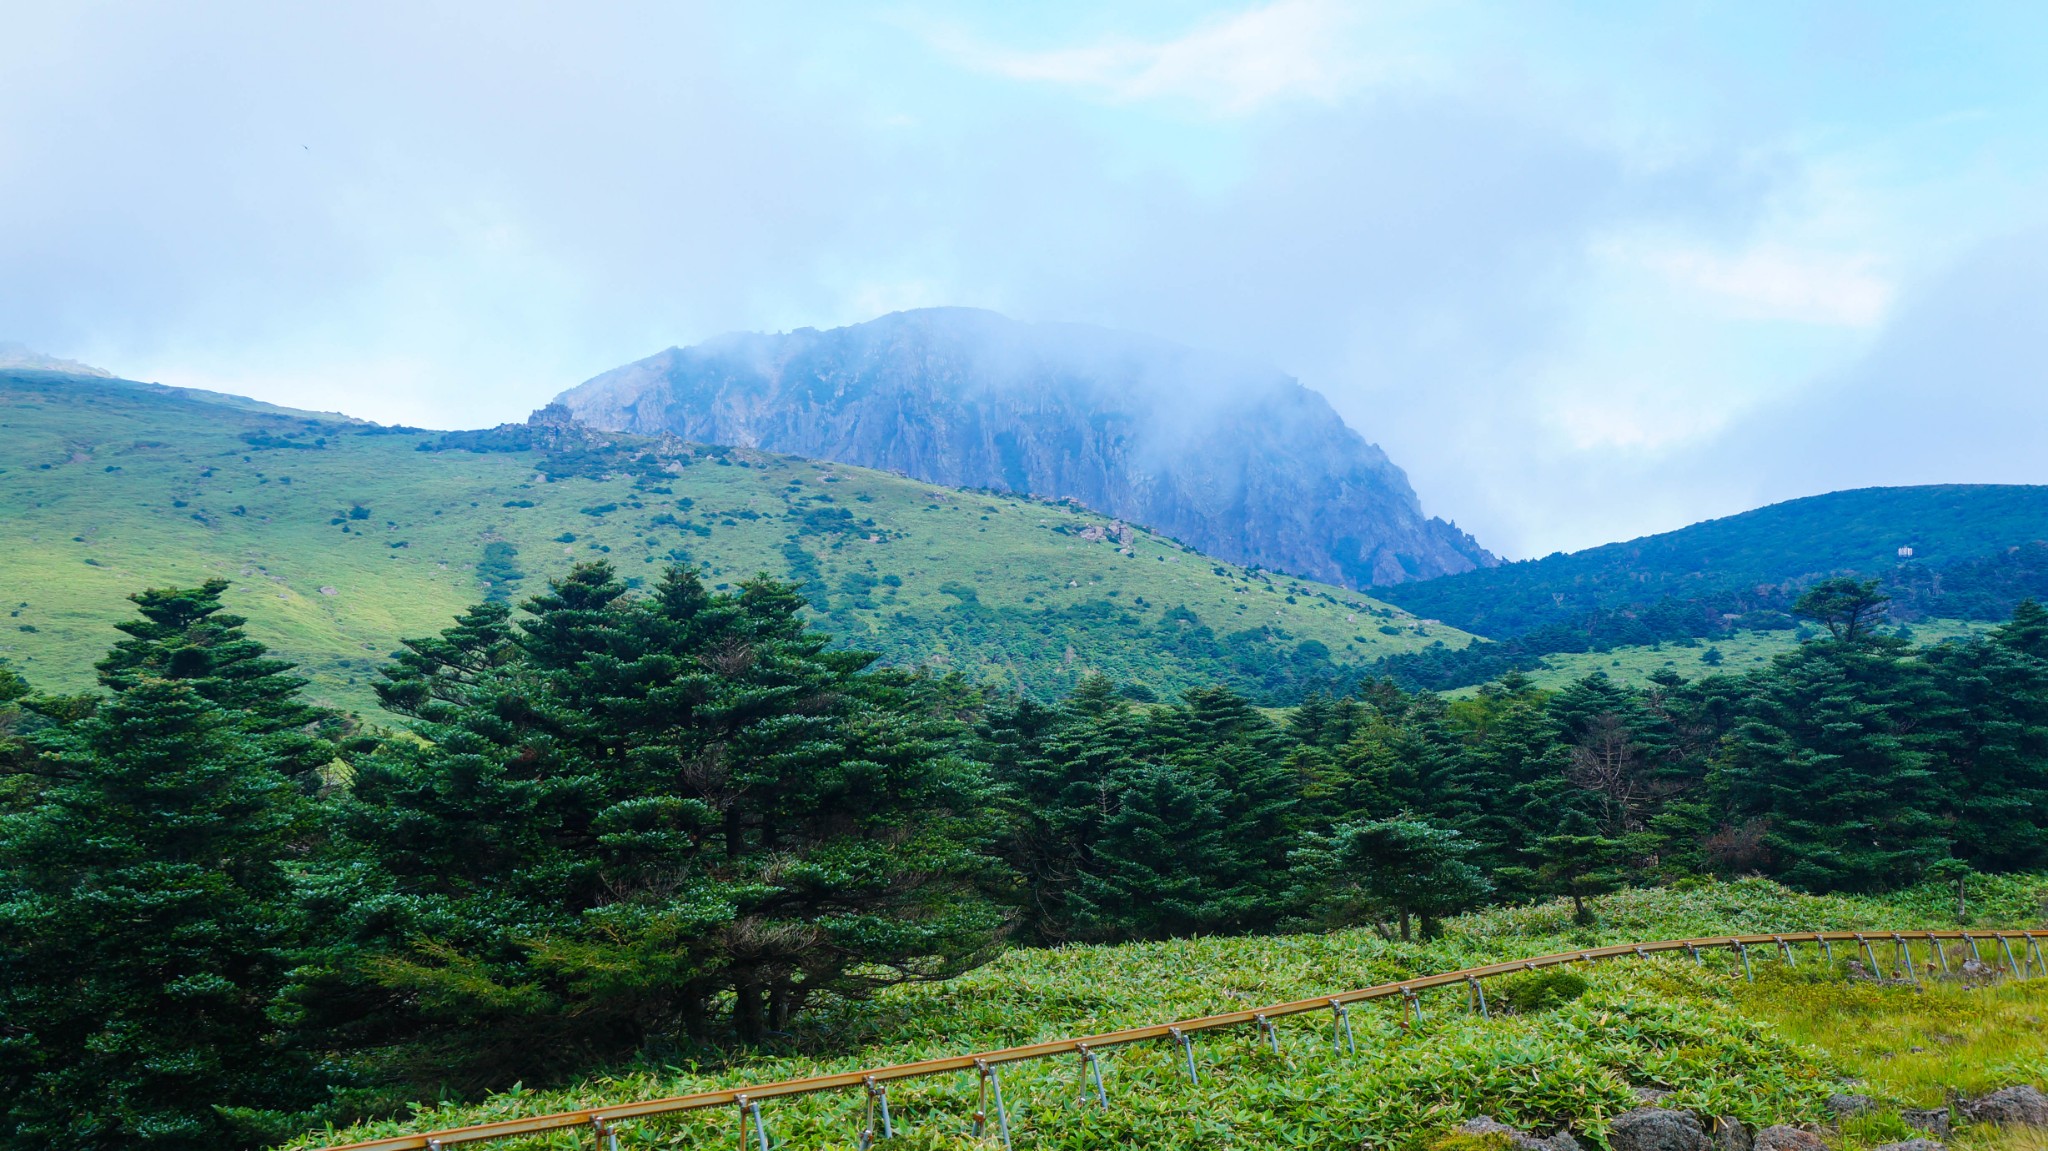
<point x="1776" y="282"/>
<point x="1237" y="64"/>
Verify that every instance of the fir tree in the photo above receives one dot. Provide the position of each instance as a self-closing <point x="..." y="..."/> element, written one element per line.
<point x="148" y="931"/>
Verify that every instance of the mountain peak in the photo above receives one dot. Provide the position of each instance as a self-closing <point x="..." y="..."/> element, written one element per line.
<point x="1232" y="457"/>
<point x="22" y="356"/>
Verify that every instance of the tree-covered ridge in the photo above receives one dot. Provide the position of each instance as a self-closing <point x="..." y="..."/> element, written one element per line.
<point x="621" y="826"/>
<point x="1759" y="560"/>
<point x="349" y="536"/>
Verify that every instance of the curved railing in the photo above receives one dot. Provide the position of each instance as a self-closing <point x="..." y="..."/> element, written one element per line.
<point x="601" y="1120"/>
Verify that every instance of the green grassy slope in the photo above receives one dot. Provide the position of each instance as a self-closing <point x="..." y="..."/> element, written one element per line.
<point x="1723" y="561"/>
<point x="1740" y="651"/>
<point x="342" y="537"/>
<point x="1720" y="1045"/>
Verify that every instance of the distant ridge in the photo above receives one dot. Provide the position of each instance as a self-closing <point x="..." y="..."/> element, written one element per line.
<point x="1967" y="553"/>
<point x="22" y="356"/>
<point x="1233" y="458"/>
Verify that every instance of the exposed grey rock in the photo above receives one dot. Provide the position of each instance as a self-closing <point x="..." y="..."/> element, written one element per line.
<point x="2022" y="1106"/>
<point x="1518" y="1139"/>
<point x="1233" y="458"/>
<point x="1650" y="1095"/>
<point x="1780" y="1137"/>
<point x="1844" y="1105"/>
<point x="1910" y="1145"/>
<point x="1732" y="1134"/>
<point x="1657" y="1129"/>
<point x="1933" y="1120"/>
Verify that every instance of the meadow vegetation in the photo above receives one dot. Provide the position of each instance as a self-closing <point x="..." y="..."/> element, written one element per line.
<point x="343" y="538"/>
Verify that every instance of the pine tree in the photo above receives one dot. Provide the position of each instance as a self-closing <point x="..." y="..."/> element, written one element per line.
<point x="1400" y="869"/>
<point x="626" y="812"/>
<point x="1163" y="863"/>
<point x="148" y="931"/>
<point x="1826" y="758"/>
<point x="1580" y="863"/>
<point x="184" y="635"/>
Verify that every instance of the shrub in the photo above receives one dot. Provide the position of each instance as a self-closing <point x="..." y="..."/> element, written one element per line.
<point x="1535" y="991"/>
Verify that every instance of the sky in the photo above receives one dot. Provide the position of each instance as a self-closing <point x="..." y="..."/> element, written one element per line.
<point x="1586" y="271"/>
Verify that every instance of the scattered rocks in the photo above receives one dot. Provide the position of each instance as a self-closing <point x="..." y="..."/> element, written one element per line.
<point x="1780" y="1137"/>
<point x="1933" y="1120"/>
<point x="2022" y="1106"/>
<point x="1518" y="1139"/>
<point x="1732" y="1134"/>
<point x="1910" y="1145"/>
<point x="329" y="590"/>
<point x="1650" y="1096"/>
<point x="1659" y="1129"/>
<point x="1844" y="1105"/>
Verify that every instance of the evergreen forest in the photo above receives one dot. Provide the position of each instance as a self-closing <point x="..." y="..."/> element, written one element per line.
<point x="612" y="826"/>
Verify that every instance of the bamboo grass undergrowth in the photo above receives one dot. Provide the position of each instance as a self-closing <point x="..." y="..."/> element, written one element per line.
<point x="1771" y="1052"/>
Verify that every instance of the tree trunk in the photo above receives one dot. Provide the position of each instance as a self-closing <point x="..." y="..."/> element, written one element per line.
<point x="1404" y="925"/>
<point x="1578" y="909"/>
<point x="746" y="1013"/>
<point x="735" y="833"/>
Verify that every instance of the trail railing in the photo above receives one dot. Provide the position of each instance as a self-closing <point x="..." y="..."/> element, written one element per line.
<point x="602" y="1122"/>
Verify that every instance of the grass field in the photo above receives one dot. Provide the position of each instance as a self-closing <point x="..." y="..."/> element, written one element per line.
<point x="343" y="537"/>
<point x="1769" y="1052"/>
<point x="1739" y="651"/>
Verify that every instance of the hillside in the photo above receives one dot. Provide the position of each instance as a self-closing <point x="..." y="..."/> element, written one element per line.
<point x="1959" y="534"/>
<point x="1772" y="1052"/>
<point x="342" y="537"/>
<point x="1237" y="460"/>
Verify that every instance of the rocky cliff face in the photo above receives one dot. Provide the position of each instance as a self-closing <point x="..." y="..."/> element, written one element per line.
<point x="1236" y="460"/>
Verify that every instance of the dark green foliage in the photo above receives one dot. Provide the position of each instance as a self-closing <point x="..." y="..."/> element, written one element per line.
<point x="185" y="636"/>
<point x="1977" y="553"/>
<point x="1579" y="863"/>
<point x="1399" y="869"/>
<point x="148" y="929"/>
<point x="499" y="570"/>
<point x="640" y="823"/>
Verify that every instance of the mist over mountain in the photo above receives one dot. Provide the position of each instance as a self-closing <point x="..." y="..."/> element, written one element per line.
<point x="13" y="355"/>
<point x="1233" y="458"/>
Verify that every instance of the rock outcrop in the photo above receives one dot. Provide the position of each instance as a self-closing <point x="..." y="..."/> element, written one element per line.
<point x="2022" y="1106"/>
<point x="1518" y="1139"/>
<point x="1780" y="1137"/>
<point x="1236" y="460"/>
<point x="1657" y="1129"/>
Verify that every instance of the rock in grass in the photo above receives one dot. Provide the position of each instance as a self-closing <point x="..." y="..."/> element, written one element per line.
<point x="1843" y="1106"/>
<point x="1780" y="1137"/>
<point x="1732" y="1134"/>
<point x="1657" y="1129"/>
<point x="1910" y="1145"/>
<point x="1933" y="1120"/>
<point x="1649" y="1096"/>
<point x="2021" y="1106"/>
<point x="1518" y="1139"/>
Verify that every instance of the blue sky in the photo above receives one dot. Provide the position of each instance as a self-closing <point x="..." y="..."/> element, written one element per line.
<point x="1586" y="271"/>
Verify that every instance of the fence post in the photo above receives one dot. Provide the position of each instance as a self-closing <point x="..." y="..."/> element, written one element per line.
<point x="1905" y="957"/>
<point x="606" y="1135"/>
<point x="1479" y="996"/>
<point x="1340" y="1028"/>
<point x="1187" y="1046"/>
<point x="1744" y="952"/>
<point x="990" y="1084"/>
